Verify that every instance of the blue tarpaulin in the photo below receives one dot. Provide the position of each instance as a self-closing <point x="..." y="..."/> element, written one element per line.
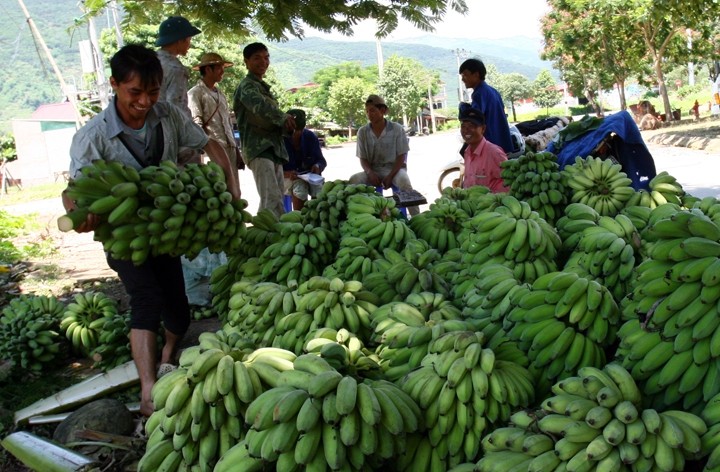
<point x="630" y="149"/>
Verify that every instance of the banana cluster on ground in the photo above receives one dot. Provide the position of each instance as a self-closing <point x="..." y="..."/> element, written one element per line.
<point x="536" y="178"/>
<point x="113" y="342"/>
<point x="594" y="422"/>
<point x="376" y="219"/>
<point x="441" y="224"/>
<point x="85" y="318"/>
<point x="598" y="183"/>
<point x="158" y="210"/>
<point x="29" y="331"/>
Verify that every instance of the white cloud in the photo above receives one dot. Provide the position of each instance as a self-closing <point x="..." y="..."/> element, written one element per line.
<point x="485" y="19"/>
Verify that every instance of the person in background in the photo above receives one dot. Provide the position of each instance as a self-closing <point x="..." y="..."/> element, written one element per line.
<point x="174" y="38"/>
<point x="261" y="123"/>
<point x="489" y="102"/>
<point x="305" y="155"/>
<point x="138" y="130"/>
<point x="209" y="107"/>
<point x="482" y="158"/>
<point x="382" y="147"/>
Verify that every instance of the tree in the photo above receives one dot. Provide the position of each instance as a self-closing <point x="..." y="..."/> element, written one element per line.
<point x="404" y="84"/>
<point x="327" y="76"/>
<point x="513" y="87"/>
<point x="543" y="89"/>
<point x="346" y="102"/>
<point x="8" y="151"/>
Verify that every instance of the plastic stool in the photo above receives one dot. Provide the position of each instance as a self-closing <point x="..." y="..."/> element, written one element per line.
<point x="380" y="189"/>
<point x="287" y="203"/>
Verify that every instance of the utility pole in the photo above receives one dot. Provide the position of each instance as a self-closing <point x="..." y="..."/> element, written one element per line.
<point x="460" y="53"/>
<point x="79" y="120"/>
<point x="112" y="6"/>
<point x="431" y="106"/>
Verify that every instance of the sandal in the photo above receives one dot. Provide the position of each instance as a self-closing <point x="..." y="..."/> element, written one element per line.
<point x="165" y="369"/>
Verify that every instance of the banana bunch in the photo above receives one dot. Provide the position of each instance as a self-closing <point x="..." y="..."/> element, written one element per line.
<point x="85" y="318"/>
<point x="321" y="419"/>
<point x="353" y="260"/>
<point x="563" y="322"/>
<point x="599" y="183"/>
<point x="301" y="252"/>
<point x="663" y="188"/>
<point x="345" y="352"/>
<point x="570" y="226"/>
<point x="200" y="407"/>
<point x="325" y="303"/>
<point x="517" y="448"/>
<point x="467" y="199"/>
<point x="397" y="274"/>
<point x="711" y="438"/>
<point x="488" y="295"/>
<point x="639" y="215"/>
<point x="514" y="235"/>
<point x="329" y="208"/>
<point x="440" y="224"/>
<point x="710" y="206"/>
<point x="221" y="283"/>
<point x="464" y="386"/>
<point x="536" y="178"/>
<point x="113" y="346"/>
<point x="607" y="253"/>
<point x="29" y="331"/>
<point x="261" y="232"/>
<point x="254" y="308"/>
<point x="238" y="458"/>
<point x="375" y="219"/>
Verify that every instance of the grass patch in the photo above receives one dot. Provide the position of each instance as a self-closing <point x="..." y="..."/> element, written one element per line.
<point x="31" y="194"/>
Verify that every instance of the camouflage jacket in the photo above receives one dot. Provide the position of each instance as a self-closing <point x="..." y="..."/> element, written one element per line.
<point x="260" y="120"/>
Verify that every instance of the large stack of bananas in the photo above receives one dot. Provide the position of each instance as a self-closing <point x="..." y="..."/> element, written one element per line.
<point x="488" y="296"/>
<point x="513" y="235"/>
<point x="200" y="408"/>
<point x="158" y="210"/>
<point x="375" y="219"/>
<point x="536" y="179"/>
<point x="353" y="261"/>
<point x="345" y="352"/>
<point x="399" y="273"/>
<point x="563" y="322"/>
<point x="441" y="224"/>
<point x="301" y="252"/>
<point x="607" y="253"/>
<point x="464" y="387"/>
<point x="28" y="331"/>
<point x="675" y="294"/>
<point x="325" y="303"/>
<point x="113" y="346"/>
<point x="85" y="318"/>
<point x="329" y="208"/>
<point x="261" y="232"/>
<point x="595" y="422"/>
<point x="254" y="308"/>
<point x="663" y="188"/>
<point x="599" y="183"/>
<point x="321" y="419"/>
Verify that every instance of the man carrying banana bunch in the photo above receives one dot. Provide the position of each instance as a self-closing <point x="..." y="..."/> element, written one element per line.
<point x="138" y="130"/>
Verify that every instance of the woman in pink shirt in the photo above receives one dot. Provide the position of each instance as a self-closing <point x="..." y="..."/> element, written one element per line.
<point x="482" y="158"/>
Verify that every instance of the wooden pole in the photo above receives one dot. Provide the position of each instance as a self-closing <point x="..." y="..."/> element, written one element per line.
<point x="79" y="120"/>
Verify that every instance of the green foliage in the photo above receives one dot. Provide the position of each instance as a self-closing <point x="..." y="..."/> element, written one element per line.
<point x="404" y="85"/>
<point x="346" y="102"/>
<point x="543" y="90"/>
<point x="8" y="151"/>
<point x="328" y="76"/>
<point x="513" y="87"/>
<point x="12" y="227"/>
<point x="687" y="91"/>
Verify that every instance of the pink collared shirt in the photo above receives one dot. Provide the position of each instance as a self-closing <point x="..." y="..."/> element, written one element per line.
<point x="482" y="166"/>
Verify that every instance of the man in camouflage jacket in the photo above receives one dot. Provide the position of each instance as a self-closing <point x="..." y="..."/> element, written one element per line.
<point x="261" y="123"/>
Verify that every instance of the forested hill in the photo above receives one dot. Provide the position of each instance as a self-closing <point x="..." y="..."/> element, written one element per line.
<point x="27" y="79"/>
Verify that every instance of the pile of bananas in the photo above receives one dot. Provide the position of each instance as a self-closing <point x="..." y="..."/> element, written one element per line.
<point x="598" y="183"/>
<point x="260" y="233"/>
<point x="325" y="303"/>
<point x="329" y="208"/>
<point x="663" y="188"/>
<point x="488" y="296"/>
<point x="113" y="346"/>
<point x="536" y="179"/>
<point x="158" y="210"/>
<point x="254" y="308"/>
<point x="398" y="273"/>
<point x="375" y="219"/>
<point x="514" y="235"/>
<point x="464" y="387"/>
<point x="467" y="199"/>
<point x="440" y="224"/>
<point x="570" y="226"/>
<point x="711" y="438"/>
<point x="84" y="319"/>
<point x="601" y="425"/>
<point x="222" y="280"/>
<point x="301" y="252"/>
<point x="563" y="322"/>
<point x="345" y="352"/>
<point x="353" y="261"/>
<point x="29" y="335"/>
<point x="321" y="419"/>
<point x="607" y="253"/>
<point x="201" y="406"/>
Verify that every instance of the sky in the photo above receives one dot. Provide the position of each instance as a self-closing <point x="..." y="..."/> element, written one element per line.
<point x="485" y="19"/>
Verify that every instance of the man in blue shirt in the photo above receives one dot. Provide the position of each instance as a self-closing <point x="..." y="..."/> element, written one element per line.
<point x="488" y="100"/>
<point x="305" y="155"/>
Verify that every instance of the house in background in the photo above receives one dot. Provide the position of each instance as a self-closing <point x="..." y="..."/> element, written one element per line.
<point x="43" y="144"/>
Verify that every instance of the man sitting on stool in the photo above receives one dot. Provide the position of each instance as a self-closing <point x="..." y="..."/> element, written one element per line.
<point x="303" y="148"/>
<point x="382" y="147"/>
